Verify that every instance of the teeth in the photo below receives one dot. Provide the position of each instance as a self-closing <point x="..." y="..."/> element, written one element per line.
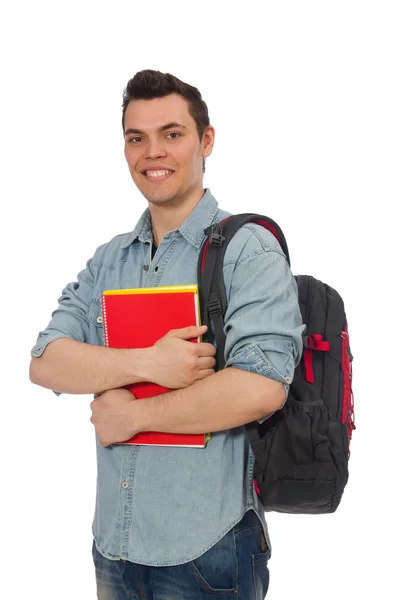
<point x="157" y="173"/>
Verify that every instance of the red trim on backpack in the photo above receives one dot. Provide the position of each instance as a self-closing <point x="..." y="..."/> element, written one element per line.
<point x="256" y="486"/>
<point x="348" y="397"/>
<point x="308" y="362"/>
<point x="204" y="255"/>
<point x="315" y="342"/>
<point x="346" y="368"/>
<point x="270" y="228"/>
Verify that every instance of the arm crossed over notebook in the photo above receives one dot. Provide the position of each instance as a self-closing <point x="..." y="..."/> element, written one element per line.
<point x="227" y="399"/>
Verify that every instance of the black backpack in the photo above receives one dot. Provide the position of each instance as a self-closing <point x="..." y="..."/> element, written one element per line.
<point x="302" y="450"/>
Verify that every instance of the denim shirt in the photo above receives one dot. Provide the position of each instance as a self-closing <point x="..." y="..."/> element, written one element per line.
<point x="164" y="506"/>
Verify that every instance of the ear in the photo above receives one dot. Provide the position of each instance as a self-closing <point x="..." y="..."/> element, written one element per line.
<point x="208" y="140"/>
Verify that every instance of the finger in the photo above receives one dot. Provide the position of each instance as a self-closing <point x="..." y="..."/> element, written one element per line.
<point x="205" y="373"/>
<point x="205" y="349"/>
<point x="187" y="333"/>
<point x="206" y="362"/>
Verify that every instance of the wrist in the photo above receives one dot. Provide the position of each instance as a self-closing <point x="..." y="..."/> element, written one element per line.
<point x="139" y="415"/>
<point x="139" y="360"/>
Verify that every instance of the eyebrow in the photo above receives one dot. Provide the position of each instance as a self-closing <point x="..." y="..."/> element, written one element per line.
<point x="162" y="128"/>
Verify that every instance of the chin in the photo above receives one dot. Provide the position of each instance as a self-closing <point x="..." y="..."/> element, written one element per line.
<point x="160" y="196"/>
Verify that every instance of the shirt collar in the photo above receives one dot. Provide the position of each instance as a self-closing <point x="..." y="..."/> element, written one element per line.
<point x="142" y="231"/>
<point x="192" y="229"/>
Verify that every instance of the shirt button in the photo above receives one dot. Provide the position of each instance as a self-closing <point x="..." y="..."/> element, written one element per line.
<point x="146" y="267"/>
<point x="125" y="484"/>
<point x="288" y="379"/>
<point x="99" y="319"/>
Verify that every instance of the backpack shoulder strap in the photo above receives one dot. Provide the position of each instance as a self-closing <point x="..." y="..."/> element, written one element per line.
<point x="212" y="293"/>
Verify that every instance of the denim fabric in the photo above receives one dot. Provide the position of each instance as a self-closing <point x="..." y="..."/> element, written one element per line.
<point x="162" y="506"/>
<point x="236" y="567"/>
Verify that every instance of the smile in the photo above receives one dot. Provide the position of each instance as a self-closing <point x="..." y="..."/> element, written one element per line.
<point x="158" y="175"/>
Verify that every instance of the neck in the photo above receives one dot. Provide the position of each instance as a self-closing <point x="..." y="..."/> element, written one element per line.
<point x="170" y="216"/>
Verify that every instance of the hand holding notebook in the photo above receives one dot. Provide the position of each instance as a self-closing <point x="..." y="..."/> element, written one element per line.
<point x="184" y="363"/>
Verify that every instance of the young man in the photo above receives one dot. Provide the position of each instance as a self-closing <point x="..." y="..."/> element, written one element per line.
<point x="172" y="522"/>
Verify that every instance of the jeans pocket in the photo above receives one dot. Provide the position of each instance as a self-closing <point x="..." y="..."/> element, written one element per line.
<point x="260" y="573"/>
<point x="215" y="571"/>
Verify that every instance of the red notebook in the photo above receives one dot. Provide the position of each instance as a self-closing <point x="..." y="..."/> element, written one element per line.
<point x="138" y="318"/>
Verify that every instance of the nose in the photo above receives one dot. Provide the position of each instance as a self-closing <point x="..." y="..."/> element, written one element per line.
<point x="155" y="149"/>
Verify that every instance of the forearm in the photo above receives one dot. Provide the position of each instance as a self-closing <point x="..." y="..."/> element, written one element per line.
<point x="227" y="399"/>
<point x="74" y="367"/>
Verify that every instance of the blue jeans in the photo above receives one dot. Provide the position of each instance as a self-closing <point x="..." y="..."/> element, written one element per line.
<point x="236" y="567"/>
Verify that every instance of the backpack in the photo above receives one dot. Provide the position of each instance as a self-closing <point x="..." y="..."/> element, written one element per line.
<point x="302" y="450"/>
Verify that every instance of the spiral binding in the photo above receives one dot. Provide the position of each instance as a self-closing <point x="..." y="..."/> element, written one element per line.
<point x="105" y="323"/>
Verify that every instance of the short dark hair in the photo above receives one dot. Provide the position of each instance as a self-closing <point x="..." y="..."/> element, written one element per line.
<point x="148" y="84"/>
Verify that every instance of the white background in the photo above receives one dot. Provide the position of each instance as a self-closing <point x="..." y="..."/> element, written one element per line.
<point x="303" y="99"/>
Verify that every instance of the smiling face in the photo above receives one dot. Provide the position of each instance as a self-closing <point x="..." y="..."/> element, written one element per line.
<point x="163" y="149"/>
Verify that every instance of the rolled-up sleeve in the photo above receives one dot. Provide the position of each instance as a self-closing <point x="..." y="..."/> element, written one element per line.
<point x="70" y="318"/>
<point x="263" y="323"/>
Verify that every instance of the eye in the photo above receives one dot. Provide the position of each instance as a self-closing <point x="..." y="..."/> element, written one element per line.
<point x="174" y="133"/>
<point x="132" y="140"/>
